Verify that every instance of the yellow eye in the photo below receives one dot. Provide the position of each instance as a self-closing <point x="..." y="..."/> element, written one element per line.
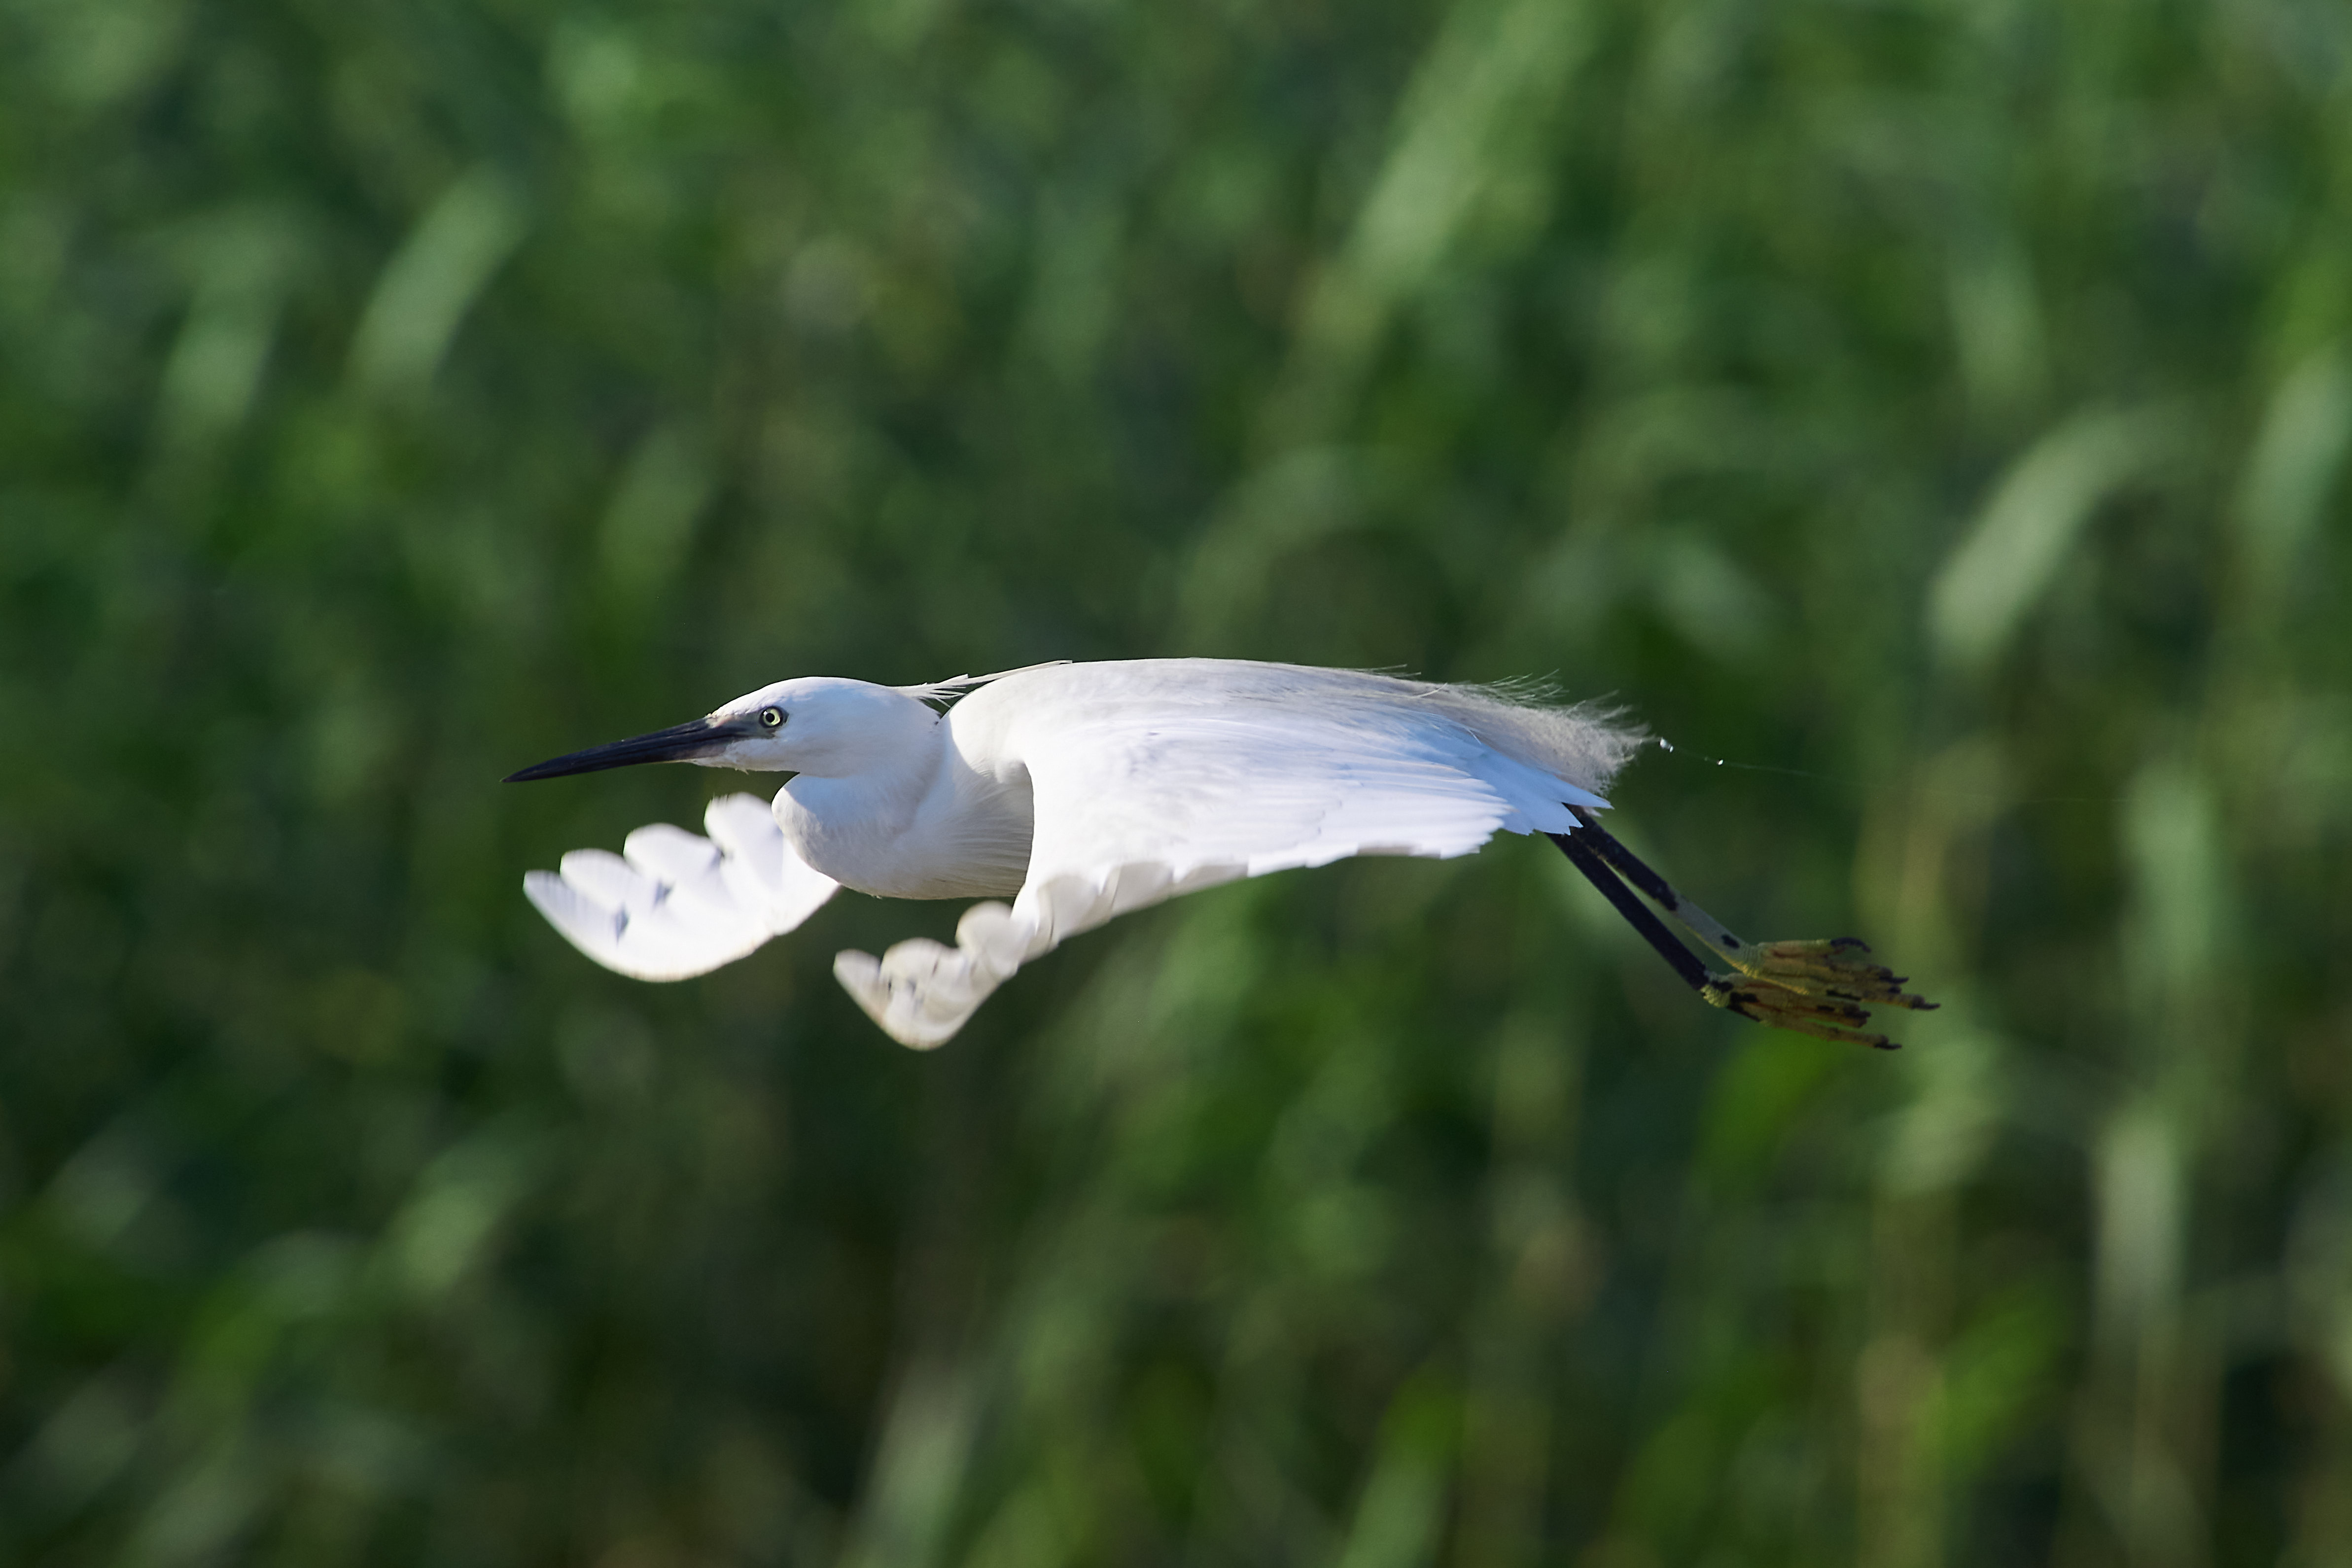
<point x="772" y="718"/>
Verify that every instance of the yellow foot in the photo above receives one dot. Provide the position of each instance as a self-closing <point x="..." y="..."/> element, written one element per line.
<point x="1818" y="988"/>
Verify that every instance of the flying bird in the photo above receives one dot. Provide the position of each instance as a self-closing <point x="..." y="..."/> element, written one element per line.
<point x="1080" y="791"/>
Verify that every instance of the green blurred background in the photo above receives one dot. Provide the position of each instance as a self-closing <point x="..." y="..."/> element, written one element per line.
<point x="1936" y="407"/>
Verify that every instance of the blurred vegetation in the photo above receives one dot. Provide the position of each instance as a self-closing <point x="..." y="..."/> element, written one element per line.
<point x="1937" y="408"/>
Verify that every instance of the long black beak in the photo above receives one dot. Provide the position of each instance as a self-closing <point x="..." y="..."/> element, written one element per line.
<point x="678" y="743"/>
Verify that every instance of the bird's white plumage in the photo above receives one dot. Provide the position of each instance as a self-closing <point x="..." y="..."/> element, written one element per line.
<point x="1189" y="772"/>
<point x="672" y="905"/>
<point x="1141" y="780"/>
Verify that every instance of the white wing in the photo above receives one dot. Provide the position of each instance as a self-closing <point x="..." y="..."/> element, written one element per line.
<point x="1143" y="794"/>
<point x="672" y="905"/>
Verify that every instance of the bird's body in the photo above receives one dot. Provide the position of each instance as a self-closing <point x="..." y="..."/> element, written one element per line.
<point x="1077" y="790"/>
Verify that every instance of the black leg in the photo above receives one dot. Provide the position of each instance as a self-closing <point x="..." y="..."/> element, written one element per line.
<point x="1623" y="862"/>
<point x="1584" y="858"/>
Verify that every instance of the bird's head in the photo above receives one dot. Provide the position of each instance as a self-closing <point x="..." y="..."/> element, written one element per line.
<point x="818" y="724"/>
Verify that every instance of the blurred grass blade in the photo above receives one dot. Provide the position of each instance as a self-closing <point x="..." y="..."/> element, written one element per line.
<point x="918" y="1469"/>
<point x="649" y="525"/>
<point x="245" y="260"/>
<point x="2296" y="458"/>
<point x="1403" y="1503"/>
<point x="432" y="281"/>
<point x="1468" y="137"/>
<point x="2019" y="543"/>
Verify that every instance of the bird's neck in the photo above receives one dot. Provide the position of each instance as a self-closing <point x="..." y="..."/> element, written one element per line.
<point x="882" y="790"/>
<point x="846" y="823"/>
<point x="926" y="828"/>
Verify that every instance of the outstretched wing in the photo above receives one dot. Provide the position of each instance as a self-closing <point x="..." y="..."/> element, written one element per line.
<point x="1138" y="809"/>
<point x="1141" y="797"/>
<point x="672" y="905"/>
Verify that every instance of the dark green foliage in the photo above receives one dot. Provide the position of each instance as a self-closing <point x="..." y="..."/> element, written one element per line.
<point x="1943" y="404"/>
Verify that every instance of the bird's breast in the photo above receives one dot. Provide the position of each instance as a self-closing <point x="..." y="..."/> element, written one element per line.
<point x="967" y="840"/>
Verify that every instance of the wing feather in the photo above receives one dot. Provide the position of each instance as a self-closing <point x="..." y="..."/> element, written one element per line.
<point x="674" y="904"/>
<point x="1133" y="807"/>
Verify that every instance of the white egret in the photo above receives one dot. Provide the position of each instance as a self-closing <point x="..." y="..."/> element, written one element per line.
<point x="1084" y="790"/>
